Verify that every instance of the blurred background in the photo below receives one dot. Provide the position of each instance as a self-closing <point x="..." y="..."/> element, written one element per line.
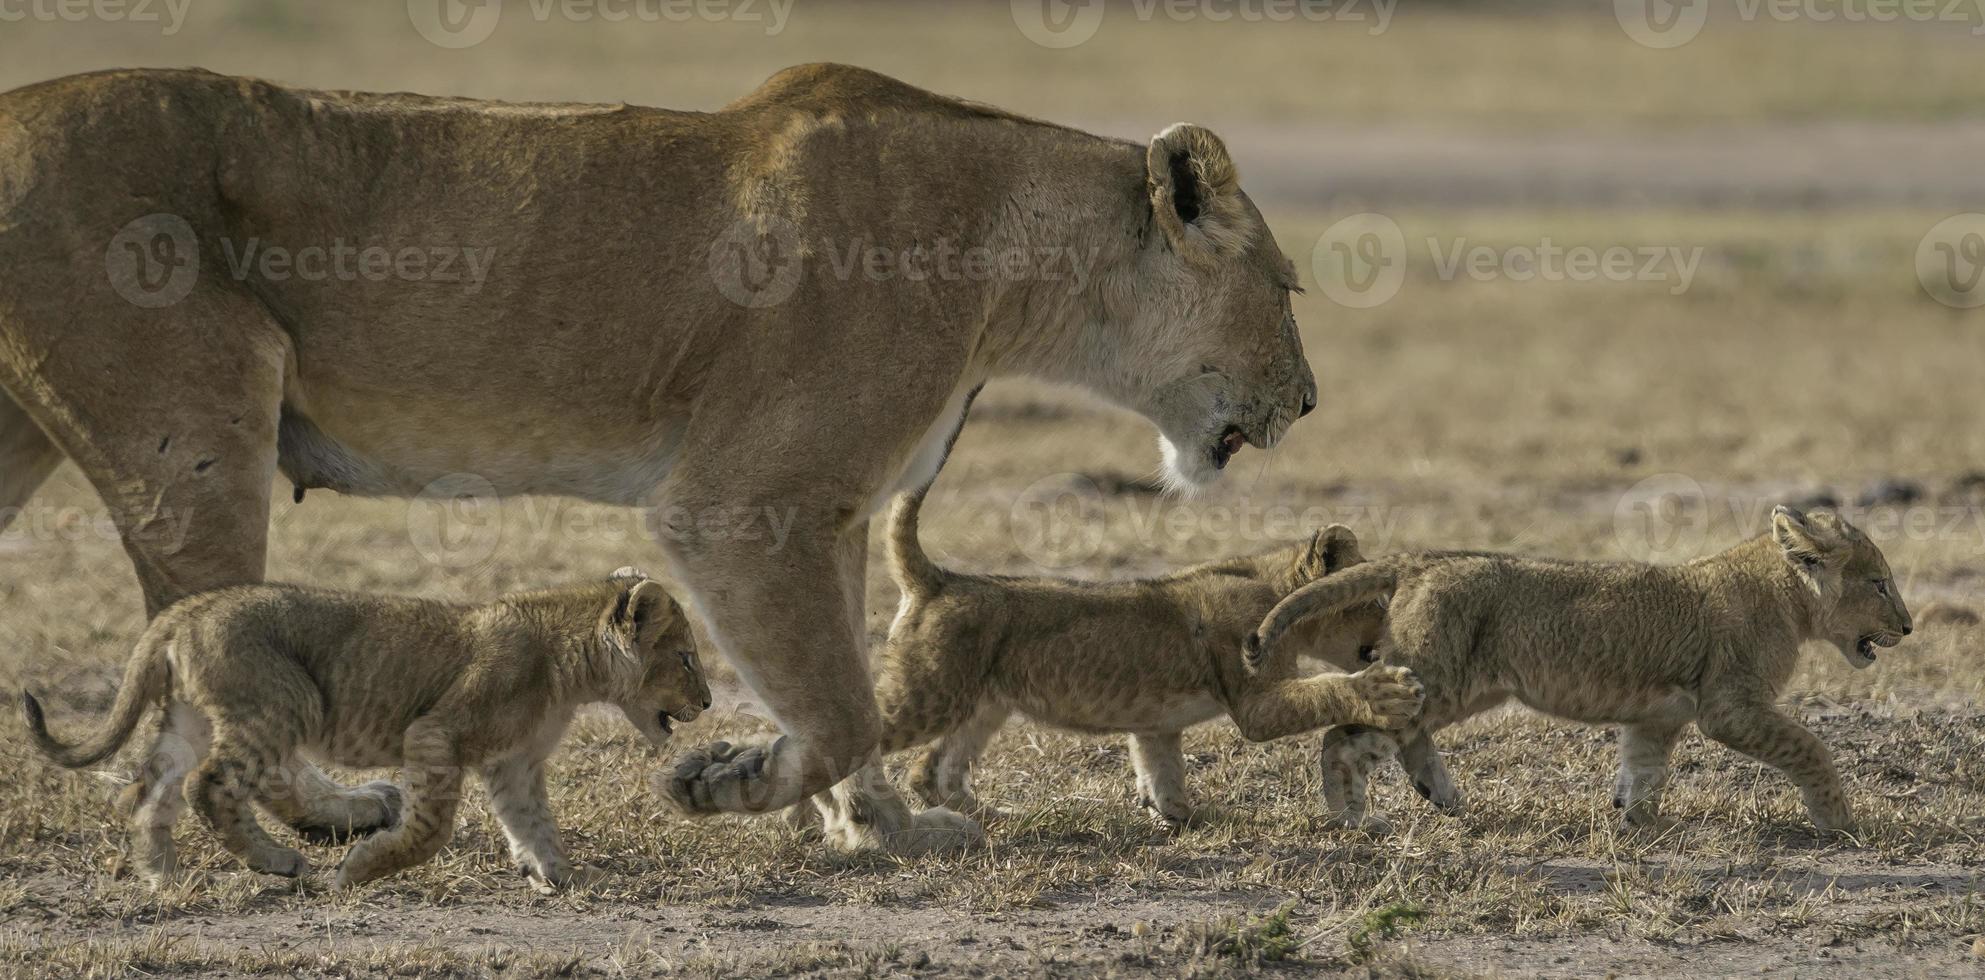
<point x="1597" y="279"/>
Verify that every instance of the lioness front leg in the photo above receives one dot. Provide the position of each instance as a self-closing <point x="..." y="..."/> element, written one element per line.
<point x="1379" y="697"/>
<point x="1752" y="726"/>
<point x="516" y="789"/>
<point x="792" y="624"/>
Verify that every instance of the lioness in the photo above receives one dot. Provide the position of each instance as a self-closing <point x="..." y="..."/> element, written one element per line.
<point x="622" y="304"/>
<point x="252" y="677"/>
<point x="1148" y="657"/>
<point x="1650" y="648"/>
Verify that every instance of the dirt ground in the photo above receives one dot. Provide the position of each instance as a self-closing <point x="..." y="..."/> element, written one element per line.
<point x="1801" y="362"/>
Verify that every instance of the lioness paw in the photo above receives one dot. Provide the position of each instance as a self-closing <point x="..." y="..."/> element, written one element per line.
<point x="713" y="779"/>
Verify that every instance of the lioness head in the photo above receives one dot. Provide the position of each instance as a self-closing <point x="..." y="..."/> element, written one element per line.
<point x="1213" y="310"/>
<point x="1349" y="639"/>
<point x="1860" y="607"/>
<point x="645" y="630"/>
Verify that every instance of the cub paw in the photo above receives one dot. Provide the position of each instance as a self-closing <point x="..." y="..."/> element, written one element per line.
<point x="1392" y="696"/>
<point x="364" y="811"/>
<point x="938" y="830"/>
<point x="1361" y="823"/>
<point x="284" y="863"/>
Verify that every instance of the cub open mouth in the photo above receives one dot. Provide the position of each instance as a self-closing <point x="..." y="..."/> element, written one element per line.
<point x="1867" y="644"/>
<point x="1230" y="442"/>
<point x="662" y="718"/>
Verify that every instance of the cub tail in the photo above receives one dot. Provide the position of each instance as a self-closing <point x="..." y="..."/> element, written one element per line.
<point x="146" y="677"/>
<point x="912" y="569"/>
<point x="1329" y="594"/>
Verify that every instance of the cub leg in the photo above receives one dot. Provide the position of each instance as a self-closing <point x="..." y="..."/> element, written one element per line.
<point x="1644" y="751"/>
<point x="155" y="797"/>
<point x="221" y="791"/>
<point x="1422" y="760"/>
<point x="1160" y="765"/>
<point x="1380" y="697"/>
<point x="942" y="775"/>
<point x="427" y="821"/>
<point x="516" y="788"/>
<point x="1752" y="726"/>
<point x="1350" y="753"/>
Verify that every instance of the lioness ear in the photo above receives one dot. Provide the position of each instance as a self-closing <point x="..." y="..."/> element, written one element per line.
<point x="1196" y="193"/>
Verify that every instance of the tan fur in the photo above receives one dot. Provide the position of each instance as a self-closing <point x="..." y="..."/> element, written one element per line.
<point x="1149" y="658"/>
<point x="601" y="358"/>
<point x="255" y="679"/>
<point x="1649" y="648"/>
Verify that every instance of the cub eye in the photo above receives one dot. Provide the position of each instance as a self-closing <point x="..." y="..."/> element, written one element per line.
<point x="687" y="664"/>
<point x="1882" y="588"/>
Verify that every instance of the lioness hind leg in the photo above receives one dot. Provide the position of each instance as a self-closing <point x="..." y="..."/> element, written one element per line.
<point x="157" y="792"/>
<point x="171" y="412"/>
<point x="26" y="458"/>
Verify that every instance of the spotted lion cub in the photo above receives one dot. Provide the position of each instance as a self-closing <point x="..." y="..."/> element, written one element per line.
<point x="1650" y="648"/>
<point x="256" y="678"/>
<point x="1148" y="657"/>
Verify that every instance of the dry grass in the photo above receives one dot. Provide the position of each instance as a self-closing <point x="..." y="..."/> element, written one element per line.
<point x="1501" y="414"/>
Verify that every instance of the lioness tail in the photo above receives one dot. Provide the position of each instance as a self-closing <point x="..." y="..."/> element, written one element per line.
<point x="1325" y="595"/>
<point x="145" y="679"/>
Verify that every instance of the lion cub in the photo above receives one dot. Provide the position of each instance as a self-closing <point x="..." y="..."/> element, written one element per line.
<point x="1650" y="648"/>
<point x="1148" y="657"/>
<point x="255" y="677"/>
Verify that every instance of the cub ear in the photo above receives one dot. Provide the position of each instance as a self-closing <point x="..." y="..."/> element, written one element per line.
<point x="627" y="571"/>
<point x="1803" y="542"/>
<point x="1196" y="193"/>
<point x="1340" y="548"/>
<point x="642" y="609"/>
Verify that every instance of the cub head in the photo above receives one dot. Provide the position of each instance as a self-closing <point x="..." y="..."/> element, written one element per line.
<point x="1349" y="639"/>
<point x="1859" y="606"/>
<point x="648" y="639"/>
<point x="1221" y="364"/>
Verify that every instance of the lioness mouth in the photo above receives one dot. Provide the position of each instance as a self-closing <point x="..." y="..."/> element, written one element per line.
<point x="1230" y="442"/>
